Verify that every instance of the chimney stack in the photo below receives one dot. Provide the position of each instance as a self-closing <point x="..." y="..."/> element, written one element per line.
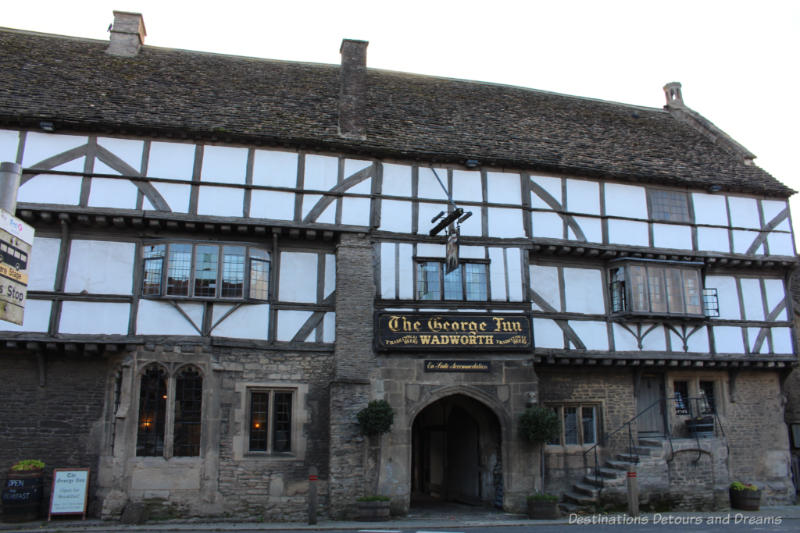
<point x="672" y="91"/>
<point x="127" y="34"/>
<point x="353" y="89"/>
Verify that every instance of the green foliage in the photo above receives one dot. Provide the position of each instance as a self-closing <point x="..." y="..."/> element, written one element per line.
<point x="373" y="498"/>
<point x="376" y="418"/>
<point x="28" y="464"/>
<point x="539" y="424"/>
<point x="542" y="497"/>
<point x="738" y="485"/>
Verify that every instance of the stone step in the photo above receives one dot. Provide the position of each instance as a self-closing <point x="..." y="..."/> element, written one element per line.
<point x="618" y="465"/>
<point x="568" y="508"/>
<point x="589" y="479"/>
<point x="586" y="489"/>
<point x="579" y="499"/>
<point x="657" y="443"/>
<point x="627" y="458"/>
<point x="646" y="450"/>
<point x="607" y="473"/>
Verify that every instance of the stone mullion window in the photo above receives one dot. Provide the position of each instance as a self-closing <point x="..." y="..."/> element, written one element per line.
<point x="269" y="418"/>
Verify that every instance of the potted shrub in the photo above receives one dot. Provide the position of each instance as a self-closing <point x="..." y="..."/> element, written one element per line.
<point x="542" y="505"/>
<point x="374" y="508"/>
<point x="22" y="494"/>
<point x="745" y="496"/>
<point x="538" y="424"/>
<point x="376" y="418"/>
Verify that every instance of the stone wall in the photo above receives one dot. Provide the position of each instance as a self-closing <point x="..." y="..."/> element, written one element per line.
<point x="59" y="422"/>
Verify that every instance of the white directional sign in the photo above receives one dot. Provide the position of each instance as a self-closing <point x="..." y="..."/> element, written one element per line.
<point x="16" y="240"/>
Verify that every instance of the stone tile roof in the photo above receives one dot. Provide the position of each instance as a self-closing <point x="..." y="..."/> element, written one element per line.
<point x="175" y="93"/>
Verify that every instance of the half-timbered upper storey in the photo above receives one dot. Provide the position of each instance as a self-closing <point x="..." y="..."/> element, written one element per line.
<point x="212" y="189"/>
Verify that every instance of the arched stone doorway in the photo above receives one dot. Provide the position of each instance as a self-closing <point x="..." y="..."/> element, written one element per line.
<point x="457" y="453"/>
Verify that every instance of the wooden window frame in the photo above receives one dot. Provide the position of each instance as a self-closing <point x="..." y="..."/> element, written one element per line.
<point x="659" y="207"/>
<point x="645" y="282"/>
<point x="270" y="421"/>
<point x="442" y="263"/>
<point x="579" y="406"/>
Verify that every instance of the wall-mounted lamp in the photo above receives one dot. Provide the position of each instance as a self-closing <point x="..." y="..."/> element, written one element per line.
<point x="471" y="163"/>
<point x="47" y="126"/>
<point x="714" y="188"/>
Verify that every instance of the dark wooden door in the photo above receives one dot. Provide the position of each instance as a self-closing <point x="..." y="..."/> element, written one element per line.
<point x="650" y="392"/>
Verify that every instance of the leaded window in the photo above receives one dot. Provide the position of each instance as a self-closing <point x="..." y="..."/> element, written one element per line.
<point x="270" y="421"/>
<point x="467" y="282"/>
<point x="658" y="288"/>
<point x="670" y="206"/>
<point x="579" y="424"/>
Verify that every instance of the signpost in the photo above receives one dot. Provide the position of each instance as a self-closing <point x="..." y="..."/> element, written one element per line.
<point x="16" y="240"/>
<point x="70" y="491"/>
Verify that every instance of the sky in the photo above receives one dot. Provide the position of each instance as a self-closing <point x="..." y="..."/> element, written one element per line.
<point x="737" y="60"/>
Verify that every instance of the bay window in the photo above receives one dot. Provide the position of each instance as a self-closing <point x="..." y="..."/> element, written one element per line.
<point x="656" y="288"/>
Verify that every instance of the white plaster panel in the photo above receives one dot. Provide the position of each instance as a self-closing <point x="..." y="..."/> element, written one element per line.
<point x="431" y="250"/>
<point x="505" y="223"/>
<point x="396" y="180"/>
<point x="771" y="209"/>
<point x="322" y="172"/>
<point x="396" y="216"/>
<point x="330" y="275"/>
<point x="592" y="229"/>
<point x="171" y="160"/>
<point x="467" y="186"/>
<point x="129" y="150"/>
<point x="547" y="334"/>
<point x="429" y="187"/>
<point x="497" y="274"/>
<point x="626" y="201"/>
<point x="676" y="342"/>
<point x="503" y="188"/>
<point x="744" y="212"/>
<point x="742" y="240"/>
<point x="100" y="267"/>
<point x="548" y="225"/>
<point x="328" y="216"/>
<point x="351" y="166"/>
<point x="775" y="295"/>
<point x="50" y="189"/>
<point x="42" y="267"/>
<point x="544" y="281"/>
<point x="272" y="204"/>
<point x="624" y="341"/>
<point x="220" y="201"/>
<point x="655" y="341"/>
<point x="224" y="164"/>
<point x="106" y="192"/>
<point x="329" y="327"/>
<point x="551" y="185"/>
<point x="782" y="340"/>
<point x="362" y="187"/>
<point x="290" y="322"/>
<point x="388" y="272"/>
<point x="728" y="295"/>
<point x="594" y="335"/>
<point x="161" y="318"/>
<point x="298" y="277"/>
<point x="710" y="209"/>
<point x="583" y="197"/>
<point x="780" y="243"/>
<point x="247" y="322"/>
<point x="41" y="146"/>
<point x="426" y="213"/>
<point x="102" y="318"/>
<point x="713" y="239"/>
<point x="356" y="211"/>
<point x="698" y="342"/>
<point x="583" y="290"/>
<point x="751" y="295"/>
<point x="472" y="252"/>
<point x="728" y="339"/>
<point x="514" y="274"/>
<point x="36" y="317"/>
<point x="275" y="169"/>
<point x="9" y="143"/>
<point x="672" y="236"/>
<point x="176" y="195"/>
<point x="628" y="232"/>
<point x="752" y="337"/>
<point x="406" y="271"/>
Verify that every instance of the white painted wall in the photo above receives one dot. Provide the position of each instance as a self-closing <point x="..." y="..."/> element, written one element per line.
<point x="396" y="216"/>
<point x="626" y="201"/>
<point x="505" y="223"/>
<point x="593" y="334"/>
<point x="497" y="274"/>
<point x="290" y="322"/>
<point x="592" y="229"/>
<point x="727" y="294"/>
<point x="388" y="268"/>
<point x="275" y="168"/>
<point x="544" y="280"/>
<point x="220" y="201"/>
<point x="744" y="212"/>
<point x="547" y="225"/>
<point x="298" y="277"/>
<point x="171" y="160"/>
<point x="396" y="180"/>
<point x="467" y="186"/>
<point x="96" y="318"/>
<point x="547" y="334"/>
<point x="584" y="290"/>
<point x="107" y="192"/>
<point x="628" y="232"/>
<point x="100" y="267"/>
<point x="36" y="318"/>
<point x="782" y="340"/>
<point x="710" y="209"/>
<point x="713" y="239"/>
<point x="43" y="263"/>
<point x="728" y="339"/>
<point x="672" y="236"/>
<point x="161" y="318"/>
<point x="224" y="164"/>
<point x="503" y="188"/>
<point x="583" y="197"/>
<point x="751" y="296"/>
<point x="247" y="322"/>
<point x="9" y="141"/>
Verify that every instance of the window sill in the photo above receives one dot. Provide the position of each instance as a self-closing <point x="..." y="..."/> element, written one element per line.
<point x="287" y="456"/>
<point x="202" y="299"/>
<point x="632" y="315"/>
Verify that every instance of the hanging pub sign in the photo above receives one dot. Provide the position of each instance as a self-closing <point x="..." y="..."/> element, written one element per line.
<point x="488" y="332"/>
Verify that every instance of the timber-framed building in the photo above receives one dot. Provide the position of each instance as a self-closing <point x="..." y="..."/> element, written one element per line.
<point x="234" y="255"/>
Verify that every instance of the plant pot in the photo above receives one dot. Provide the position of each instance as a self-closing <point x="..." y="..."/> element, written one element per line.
<point x="22" y="495"/>
<point x="746" y="500"/>
<point x="700" y="427"/>
<point x="373" y="511"/>
<point x="543" y="509"/>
